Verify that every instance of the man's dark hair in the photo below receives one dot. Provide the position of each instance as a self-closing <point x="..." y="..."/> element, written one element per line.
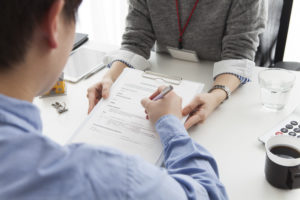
<point x="18" y="20"/>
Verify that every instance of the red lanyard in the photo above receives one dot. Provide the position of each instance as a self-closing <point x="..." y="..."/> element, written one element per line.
<point x="181" y="31"/>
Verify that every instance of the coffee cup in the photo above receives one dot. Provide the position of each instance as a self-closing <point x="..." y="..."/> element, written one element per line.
<point x="282" y="167"/>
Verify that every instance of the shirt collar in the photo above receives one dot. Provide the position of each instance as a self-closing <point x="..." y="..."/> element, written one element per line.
<point x="21" y="114"/>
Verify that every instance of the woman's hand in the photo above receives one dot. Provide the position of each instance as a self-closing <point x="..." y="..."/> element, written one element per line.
<point x="202" y="106"/>
<point x="101" y="89"/>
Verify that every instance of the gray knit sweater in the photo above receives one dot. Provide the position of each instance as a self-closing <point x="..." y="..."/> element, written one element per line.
<point x="219" y="30"/>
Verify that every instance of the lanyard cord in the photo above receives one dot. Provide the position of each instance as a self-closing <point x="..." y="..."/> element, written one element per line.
<point x="181" y="31"/>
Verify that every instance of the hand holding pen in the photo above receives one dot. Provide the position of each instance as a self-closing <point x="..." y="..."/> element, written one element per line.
<point x="161" y="94"/>
<point x="162" y="102"/>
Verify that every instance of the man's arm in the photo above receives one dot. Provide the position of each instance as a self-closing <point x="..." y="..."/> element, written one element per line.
<point x="190" y="164"/>
<point x="39" y="168"/>
<point x="191" y="172"/>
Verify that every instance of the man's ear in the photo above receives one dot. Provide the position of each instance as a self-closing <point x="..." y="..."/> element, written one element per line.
<point x="50" y="23"/>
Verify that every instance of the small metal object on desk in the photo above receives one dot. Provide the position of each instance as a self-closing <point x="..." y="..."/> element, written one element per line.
<point x="61" y="108"/>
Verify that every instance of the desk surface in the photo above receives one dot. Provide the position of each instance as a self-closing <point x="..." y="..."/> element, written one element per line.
<point x="230" y="133"/>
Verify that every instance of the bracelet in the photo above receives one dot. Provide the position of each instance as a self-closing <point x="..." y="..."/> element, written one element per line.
<point x="222" y="87"/>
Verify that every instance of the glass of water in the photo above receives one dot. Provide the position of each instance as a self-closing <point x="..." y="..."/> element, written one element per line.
<point x="275" y="85"/>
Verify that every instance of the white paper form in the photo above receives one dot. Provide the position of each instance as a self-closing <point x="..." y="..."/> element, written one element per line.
<point x="120" y="121"/>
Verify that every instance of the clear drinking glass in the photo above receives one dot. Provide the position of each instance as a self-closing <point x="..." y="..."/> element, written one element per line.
<point x="275" y="85"/>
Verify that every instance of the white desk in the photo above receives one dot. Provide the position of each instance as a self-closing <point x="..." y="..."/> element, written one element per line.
<point x="230" y="133"/>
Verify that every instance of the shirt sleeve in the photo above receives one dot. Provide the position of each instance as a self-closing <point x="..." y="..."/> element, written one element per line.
<point x="246" y="21"/>
<point x="242" y="68"/>
<point x="190" y="173"/>
<point x="42" y="169"/>
<point x="129" y="58"/>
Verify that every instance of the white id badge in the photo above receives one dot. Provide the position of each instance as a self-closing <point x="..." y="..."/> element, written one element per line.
<point x="183" y="54"/>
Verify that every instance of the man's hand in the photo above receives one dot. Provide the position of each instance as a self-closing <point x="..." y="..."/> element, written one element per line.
<point x="170" y="104"/>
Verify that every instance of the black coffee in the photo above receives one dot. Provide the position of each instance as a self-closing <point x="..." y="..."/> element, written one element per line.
<point x="285" y="152"/>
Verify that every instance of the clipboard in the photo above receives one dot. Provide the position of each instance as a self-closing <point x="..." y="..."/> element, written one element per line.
<point x="120" y="121"/>
<point x="175" y="80"/>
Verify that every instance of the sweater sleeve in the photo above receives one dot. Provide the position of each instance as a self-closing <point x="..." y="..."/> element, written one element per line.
<point x="138" y="38"/>
<point x="246" y="21"/>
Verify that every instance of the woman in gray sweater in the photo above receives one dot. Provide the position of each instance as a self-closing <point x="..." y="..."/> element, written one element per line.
<point x="223" y="31"/>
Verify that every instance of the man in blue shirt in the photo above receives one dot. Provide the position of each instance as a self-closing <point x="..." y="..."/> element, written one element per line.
<point x="36" y="39"/>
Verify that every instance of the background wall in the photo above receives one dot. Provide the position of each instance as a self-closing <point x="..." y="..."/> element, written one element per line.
<point x="104" y="21"/>
<point x="292" y="51"/>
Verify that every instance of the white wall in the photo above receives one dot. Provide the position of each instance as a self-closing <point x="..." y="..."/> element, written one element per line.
<point x="292" y="50"/>
<point x="103" y="20"/>
<point x="108" y="24"/>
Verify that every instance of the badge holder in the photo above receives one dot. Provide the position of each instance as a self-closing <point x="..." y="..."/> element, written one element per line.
<point x="183" y="54"/>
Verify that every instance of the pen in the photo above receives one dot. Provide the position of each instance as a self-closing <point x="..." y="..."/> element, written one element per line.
<point x="163" y="93"/>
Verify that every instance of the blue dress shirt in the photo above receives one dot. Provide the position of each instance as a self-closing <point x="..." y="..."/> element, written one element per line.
<point x="34" y="167"/>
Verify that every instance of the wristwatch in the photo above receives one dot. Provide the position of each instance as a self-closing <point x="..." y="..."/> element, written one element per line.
<point x="222" y="87"/>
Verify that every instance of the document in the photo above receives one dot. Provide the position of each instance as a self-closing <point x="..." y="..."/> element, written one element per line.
<point x="120" y="121"/>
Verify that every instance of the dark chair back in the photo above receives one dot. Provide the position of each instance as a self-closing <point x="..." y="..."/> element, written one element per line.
<point x="273" y="40"/>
